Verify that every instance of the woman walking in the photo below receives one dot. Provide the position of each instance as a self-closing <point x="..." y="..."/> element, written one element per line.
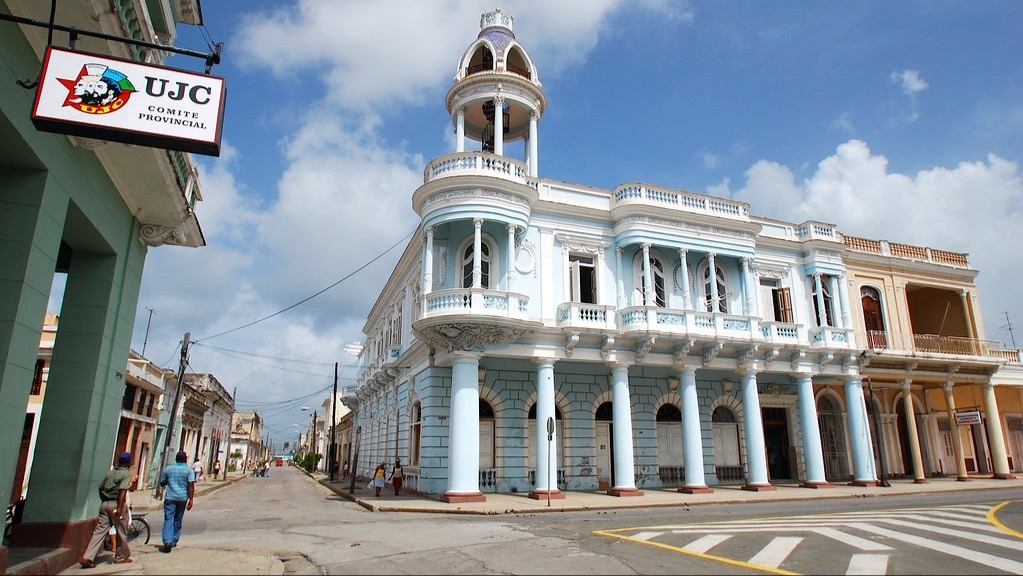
<point x="378" y="478"/>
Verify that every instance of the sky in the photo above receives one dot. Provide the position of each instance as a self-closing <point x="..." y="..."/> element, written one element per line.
<point x="898" y="121"/>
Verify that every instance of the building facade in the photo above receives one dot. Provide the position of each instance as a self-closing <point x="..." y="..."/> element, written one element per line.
<point x="247" y="447"/>
<point x="89" y="209"/>
<point x="542" y="337"/>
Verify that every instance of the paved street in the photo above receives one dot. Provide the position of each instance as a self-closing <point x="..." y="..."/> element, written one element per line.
<point x="291" y="523"/>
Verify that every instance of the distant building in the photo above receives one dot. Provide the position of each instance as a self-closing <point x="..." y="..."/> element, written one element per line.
<point x="247" y="447"/>
<point x="539" y="337"/>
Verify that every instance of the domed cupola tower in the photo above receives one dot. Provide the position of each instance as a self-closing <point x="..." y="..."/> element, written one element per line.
<point x="497" y="97"/>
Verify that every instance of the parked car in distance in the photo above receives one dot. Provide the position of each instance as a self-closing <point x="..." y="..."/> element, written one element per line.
<point x="280" y="461"/>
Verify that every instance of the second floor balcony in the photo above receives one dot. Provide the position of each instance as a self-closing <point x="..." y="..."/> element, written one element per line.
<point x="887" y="341"/>
<point x="478" y="302"/>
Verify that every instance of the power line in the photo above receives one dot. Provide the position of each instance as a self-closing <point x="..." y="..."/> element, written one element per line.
<point x="304" y="300"/>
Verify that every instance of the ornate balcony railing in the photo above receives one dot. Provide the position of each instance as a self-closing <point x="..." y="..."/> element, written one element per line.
<point x="906" y="251"/>
<point x="531" y="477"/>
<point x="476" y="301"/>
<point x="580" y="315"/>
<point x="831" y="337"/>
<point x="476" y="164"/>
<point x="682" y="201"/>
<point x="688" y="323"/>
<point x="879" y="340"/>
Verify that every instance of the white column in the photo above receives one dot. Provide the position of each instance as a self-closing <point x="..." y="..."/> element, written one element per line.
<point x="460" y="129"/>
<point x="477" y="248"/>
<point x="621" y="408"/>
<point x="534" y="138"/>
<point x="747" y="287"/>
<point x="511" y="257"/>
<point x="914" y="435"/>
<point x="836" y="298"/>
<point x="965" y="297"/>
<point x="648" y="288"/>
<point x="813" y="452"/>
<point x="995" y="439"/>
<point x="620" y="282"/>
<point x="687" y="303"/>
<point x="692" y="437"/>
<point x="499" y="126"/>
<point x="428" y="261"/>
<point x="859" y="433"/>
<point x="464" y="428"/>
<point x="600" y="276"/>
<point x="756" y="447"/>
<point x="843" y="293"/>
<point x="546" y="461"/>
<point x="822" y="319"/>
<point x="957" y="441"/>
<point x="712" y="271"/>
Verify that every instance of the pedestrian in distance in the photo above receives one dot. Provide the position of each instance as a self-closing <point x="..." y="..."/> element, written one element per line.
<point x="179" y="480"/>
<point x="344" y="471"/>
<point x="216" y="469"/>
<point x="397" y="476"/>
<point x="113" y="512"/>
<point x="197" y="468"/>
<point x="378" y="478"/>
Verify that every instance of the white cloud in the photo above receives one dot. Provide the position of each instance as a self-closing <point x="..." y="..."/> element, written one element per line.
<point x="912" y="85"/>
<point x="974" y="207"/>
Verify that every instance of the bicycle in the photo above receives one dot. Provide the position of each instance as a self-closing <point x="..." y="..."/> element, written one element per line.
<point x="138" y="529"/>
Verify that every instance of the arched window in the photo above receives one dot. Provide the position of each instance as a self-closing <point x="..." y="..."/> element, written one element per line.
<point x="416" y="434"/>
<point x="873" y="317"/>
<point x="725" y="427"/>
<point x="670" y="457"/>
<point x="487" y="438"/>
<point x="722" y="290"/>
<point x="487" y="262"/>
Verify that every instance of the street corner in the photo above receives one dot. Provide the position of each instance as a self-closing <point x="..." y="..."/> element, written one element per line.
<point x="186" y="559"/>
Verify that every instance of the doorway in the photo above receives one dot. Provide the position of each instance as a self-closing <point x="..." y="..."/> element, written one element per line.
<point x="604" y="444"/>
<point x="776" y="439"/>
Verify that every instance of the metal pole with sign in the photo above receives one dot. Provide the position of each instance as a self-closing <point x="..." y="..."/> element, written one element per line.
<point x="550" y="438"/>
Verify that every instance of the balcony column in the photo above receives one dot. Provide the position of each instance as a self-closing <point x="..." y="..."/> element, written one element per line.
<point x="748" y="289"/>
<point x="712" y="272"/>
<point x="818" y="289"/>
<point x="534" y="137"/>
<point x="957" y="441"/>
<point x="965" y="297"/>
<point x="477" y="247"/>
<point x="692" y="437"/>
<point x="620" y="283"/>
<point x="428" y="261"/>
<point x="995" y="439"/>
<point x="464" y="431"/>
<point x="859" y="433"/>
<point x="843" y="296"/>
<point x="460" y="129"/>
<point x="499" y="126"/>
<point x="813" y="453"/>
<point x="833" y="284"/>
<point x="914" y="437"/>
<point x="687" y="303"/>
<point x="600" y="276"/>
<point x="648" y="282"/>
<point x="756" y="447"/>
<point x="621" y="408"/>
<point x="510" y="268"/>
<point x="546" y="450"/>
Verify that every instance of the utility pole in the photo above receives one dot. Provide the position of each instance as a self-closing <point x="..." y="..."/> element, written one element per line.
<point x="146" y="339"/>
<point x="180" y="384"/>
<point x="230" y="421"/>
<point x="1009" y="324"/>
<point x="333" y="422"/>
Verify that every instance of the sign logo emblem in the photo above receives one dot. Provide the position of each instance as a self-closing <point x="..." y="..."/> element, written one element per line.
<point x="98" y="89"/>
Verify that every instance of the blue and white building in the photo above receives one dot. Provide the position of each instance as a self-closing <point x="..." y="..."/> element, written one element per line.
<point x="544" y="337"/>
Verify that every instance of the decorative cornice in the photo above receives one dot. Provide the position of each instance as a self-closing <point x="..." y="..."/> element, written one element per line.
<point x="683" y="225"/>
<point x="469" y="336"/>
<point x="156" y="235"/>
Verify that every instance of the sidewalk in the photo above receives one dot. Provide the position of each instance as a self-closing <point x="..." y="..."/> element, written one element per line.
<point x="506" y="503"/>
<point x="186" y="560"/>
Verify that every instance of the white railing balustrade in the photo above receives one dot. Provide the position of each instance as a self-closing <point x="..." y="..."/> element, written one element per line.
<point x="689" y="323"/>
<point x="476" y="164"/>
<point x="581" y="315"/>
<point x="477" y="301"/>
<point x="783" y="333"/>
<point x="678" y="200"/>
<point x="831" y="337"/>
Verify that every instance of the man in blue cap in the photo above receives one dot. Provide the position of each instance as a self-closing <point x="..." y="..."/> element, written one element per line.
<point x="179" y="480"/>
<point x="113" y="511"/>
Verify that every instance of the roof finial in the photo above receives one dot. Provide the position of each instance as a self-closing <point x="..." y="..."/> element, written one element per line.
<point x="496" y="19"/>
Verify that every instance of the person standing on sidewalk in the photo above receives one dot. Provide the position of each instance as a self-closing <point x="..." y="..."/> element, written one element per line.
<point x="397" y="476"/>
<point x="113" y="511"/>
<point x="179" y="480"/>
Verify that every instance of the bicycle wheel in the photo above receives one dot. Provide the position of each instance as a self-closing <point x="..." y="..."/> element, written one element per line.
<point x="138" y="530"/>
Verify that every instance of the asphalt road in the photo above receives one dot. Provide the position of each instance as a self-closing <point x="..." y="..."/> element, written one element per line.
<point x="314" y="531"/>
